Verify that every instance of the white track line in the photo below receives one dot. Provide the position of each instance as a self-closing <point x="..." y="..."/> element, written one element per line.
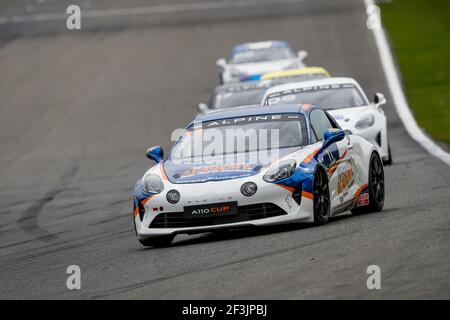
<point x="399" y="97"/>
<point x="168" y="8"/>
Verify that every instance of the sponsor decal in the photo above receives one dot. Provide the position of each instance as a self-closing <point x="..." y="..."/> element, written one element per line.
<point x="245" y="167"/>
<point x="249" y="120"/>
<point x="363" y="200"/>
<point x="212" y="210"/>
<point x="345" y="175"/>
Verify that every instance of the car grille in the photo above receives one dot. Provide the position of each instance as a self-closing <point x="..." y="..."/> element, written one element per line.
<point x="245" y="213"/>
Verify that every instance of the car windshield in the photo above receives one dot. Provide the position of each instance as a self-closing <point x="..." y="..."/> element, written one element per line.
<point x="248" y="56"/>
<point x="238" y="98"/>
<point x="327" y="97"/>
<point x="241" y="135"/>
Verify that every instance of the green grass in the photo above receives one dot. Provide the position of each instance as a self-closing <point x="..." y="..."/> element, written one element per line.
<point x="419" y="31"/>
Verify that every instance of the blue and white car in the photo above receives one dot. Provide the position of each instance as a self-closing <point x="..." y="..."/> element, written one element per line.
<point x="313" y="171"/>
<point x="249" y="61"/>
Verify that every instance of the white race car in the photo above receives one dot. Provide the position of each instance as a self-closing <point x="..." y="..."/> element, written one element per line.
<point x="249" y="61"/>
<point x="309" y="172"/>
<point x="344" y="99"/>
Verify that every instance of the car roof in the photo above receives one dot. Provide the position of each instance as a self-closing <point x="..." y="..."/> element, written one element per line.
<point x="309" y="83"/>
<point x="295" y="72"/>
<point x="252" y="110"/>
<point x="260" y="45"/>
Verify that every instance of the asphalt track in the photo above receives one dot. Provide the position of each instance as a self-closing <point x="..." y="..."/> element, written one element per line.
<point x="79" y="108"/>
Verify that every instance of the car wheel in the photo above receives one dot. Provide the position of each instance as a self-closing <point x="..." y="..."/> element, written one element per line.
<point x="376" y="187"/>
<point x="321" y="198"/>
<point x="162" y="241"/>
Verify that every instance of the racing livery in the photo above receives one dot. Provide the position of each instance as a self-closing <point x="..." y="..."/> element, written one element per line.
<point x="344" y="99"/>
<point x="249" y="61"/>
<point x="313" y="171"/>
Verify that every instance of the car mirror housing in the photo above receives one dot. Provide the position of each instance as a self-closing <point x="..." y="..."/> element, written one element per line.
<point x="302" y="54"/>
<point x="331" y="136"/>
<point x="155" y="153"/>
<point x="221" y="63"/>
<point x="203" y="108"/>
<point x="379" y="99"/>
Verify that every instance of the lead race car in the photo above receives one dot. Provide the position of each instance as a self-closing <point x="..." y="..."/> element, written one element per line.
<point x="310" y="171"/>
<point x="249" y="61"/>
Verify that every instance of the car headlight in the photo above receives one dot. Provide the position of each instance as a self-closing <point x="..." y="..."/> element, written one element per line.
<point x="281" y="171"/>
<point x="152" y="183"/>
<point x="365" y="121"/>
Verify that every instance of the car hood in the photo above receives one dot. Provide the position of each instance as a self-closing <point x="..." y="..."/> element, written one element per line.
<point x="264" y="66"/>
<point x="217" y="169"/>
<point x="348" y="116"/>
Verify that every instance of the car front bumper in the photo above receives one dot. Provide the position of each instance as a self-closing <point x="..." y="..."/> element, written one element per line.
<point x="272" y="198"/>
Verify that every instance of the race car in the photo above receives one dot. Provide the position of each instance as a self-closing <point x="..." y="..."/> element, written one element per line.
<point x="344" y="99"/>
<point x="249" y="61"/>
<point x="251" y="92"/>
<point x="266" y="166"/>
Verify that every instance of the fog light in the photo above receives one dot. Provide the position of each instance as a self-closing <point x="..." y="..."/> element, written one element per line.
<point x="173" y="196"/>
<point x="248" y="189"/>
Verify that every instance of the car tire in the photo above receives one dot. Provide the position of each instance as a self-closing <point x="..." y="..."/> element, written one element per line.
<point x="375" y="186"/>
<point x="321" y="197"/>
<point x="161" y="241"/>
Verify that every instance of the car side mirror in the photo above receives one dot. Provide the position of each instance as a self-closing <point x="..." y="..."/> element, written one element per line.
<point x="221" y="63"/>
<point x="331" y="136"/>
<point x="203" y="108"/>
<point x="379" y="99"/>
<point x="302" y="54"/>
<point x="155" y="153"/>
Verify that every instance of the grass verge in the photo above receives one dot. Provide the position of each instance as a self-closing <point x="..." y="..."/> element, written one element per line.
<point x="419" y="31"/>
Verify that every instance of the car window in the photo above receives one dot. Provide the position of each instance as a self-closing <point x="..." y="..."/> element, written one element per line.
<point x="320" y="123"/>
<point x="247" y="56"/>
<point x="238" y="98"/>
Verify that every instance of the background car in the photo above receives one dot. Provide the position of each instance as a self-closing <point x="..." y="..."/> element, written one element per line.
<point x="345" y="100"/>
<point x="313" y="171"/>
<point x="251" y="92"/>
<point x="249" y="61"/>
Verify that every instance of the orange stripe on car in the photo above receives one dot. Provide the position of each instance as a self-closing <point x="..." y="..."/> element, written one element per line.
<point x="286" y="187"/>
<point x="358" y="192"/>
<point x="306" y="106"/>
<point x="307" y="194"/>
<point x="136" y="210"/>
<point x="309" y="157"/>
<point x="163" y="172"/>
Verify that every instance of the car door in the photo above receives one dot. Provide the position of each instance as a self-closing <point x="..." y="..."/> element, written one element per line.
<point x="336" y="160"/>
